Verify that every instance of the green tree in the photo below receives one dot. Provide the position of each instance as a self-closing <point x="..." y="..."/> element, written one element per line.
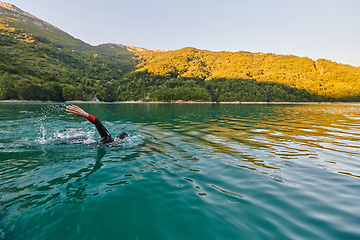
<point x="69" y="92"/>
<point x="5" y="86"/>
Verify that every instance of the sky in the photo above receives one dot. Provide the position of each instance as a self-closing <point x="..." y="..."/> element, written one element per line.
<point x="328" y="29"/>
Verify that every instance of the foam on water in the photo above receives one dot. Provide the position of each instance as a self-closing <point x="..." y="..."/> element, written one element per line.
<point x="77" y="136"/>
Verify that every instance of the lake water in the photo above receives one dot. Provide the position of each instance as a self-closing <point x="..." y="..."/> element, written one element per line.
<point x="215" y="171"/>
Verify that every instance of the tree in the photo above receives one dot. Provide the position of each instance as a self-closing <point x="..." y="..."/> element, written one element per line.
<point x="5" y="86"/>
<point x="68" y="92"/>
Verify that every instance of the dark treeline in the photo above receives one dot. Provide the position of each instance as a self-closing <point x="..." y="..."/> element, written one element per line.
<point x="145" y="86"/>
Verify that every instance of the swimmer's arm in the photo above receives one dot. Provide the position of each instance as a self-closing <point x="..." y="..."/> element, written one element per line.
<point x="76" y="111"/>
<point x="79" y="112"/>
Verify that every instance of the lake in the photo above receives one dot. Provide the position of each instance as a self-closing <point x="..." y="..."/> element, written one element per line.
<point x="213" y="171"/>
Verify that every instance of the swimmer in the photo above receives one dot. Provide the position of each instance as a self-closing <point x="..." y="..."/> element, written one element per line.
<point x="104" y="134"/>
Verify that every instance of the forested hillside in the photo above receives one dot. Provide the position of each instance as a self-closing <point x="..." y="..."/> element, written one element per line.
<point x="322" y="77"/>
<point x="41" y="62"/>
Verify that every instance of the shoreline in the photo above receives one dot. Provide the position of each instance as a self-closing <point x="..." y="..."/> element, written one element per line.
<point x="177" y="102"/>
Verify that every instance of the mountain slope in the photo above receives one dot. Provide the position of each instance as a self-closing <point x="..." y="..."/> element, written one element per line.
<point x="24" y="22"/>
<point x="40" y="61"/>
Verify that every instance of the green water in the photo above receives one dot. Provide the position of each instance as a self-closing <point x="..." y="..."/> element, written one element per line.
<point x="218" y="172"/>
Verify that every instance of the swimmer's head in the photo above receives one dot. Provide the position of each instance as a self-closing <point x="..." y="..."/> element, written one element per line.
<point x="121" y="136"/>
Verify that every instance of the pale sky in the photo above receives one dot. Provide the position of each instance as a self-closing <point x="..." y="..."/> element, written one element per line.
<point x="327" y="29"/>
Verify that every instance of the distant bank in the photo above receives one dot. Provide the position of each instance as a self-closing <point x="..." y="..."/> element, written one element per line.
<point x="179" y="101"/>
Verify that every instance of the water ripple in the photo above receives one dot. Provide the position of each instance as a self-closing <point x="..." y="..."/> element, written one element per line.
<point x="253" y="171"/>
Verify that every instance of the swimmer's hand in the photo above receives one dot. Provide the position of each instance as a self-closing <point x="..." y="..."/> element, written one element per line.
<point x="76" y="111"/>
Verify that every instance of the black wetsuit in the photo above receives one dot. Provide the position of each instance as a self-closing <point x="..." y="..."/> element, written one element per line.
<point x="104" y="134"/>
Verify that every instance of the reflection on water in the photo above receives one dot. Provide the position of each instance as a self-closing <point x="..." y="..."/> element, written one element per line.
<point x="212" y="171"/>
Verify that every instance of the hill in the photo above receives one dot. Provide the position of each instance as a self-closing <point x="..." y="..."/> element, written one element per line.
<point x="38" y="61"/>
<point x="321" y="77"/>
<point x="193" y="74"/>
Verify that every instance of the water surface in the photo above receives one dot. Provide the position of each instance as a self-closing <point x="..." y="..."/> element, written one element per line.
<point x="215" y="171"/>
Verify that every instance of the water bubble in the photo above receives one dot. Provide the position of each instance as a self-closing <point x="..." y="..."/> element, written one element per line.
<point x="288" y="163"/>
<point x="234" y="197"/>
<point x="231" y="196"/>
<point x="277" y="178"/>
